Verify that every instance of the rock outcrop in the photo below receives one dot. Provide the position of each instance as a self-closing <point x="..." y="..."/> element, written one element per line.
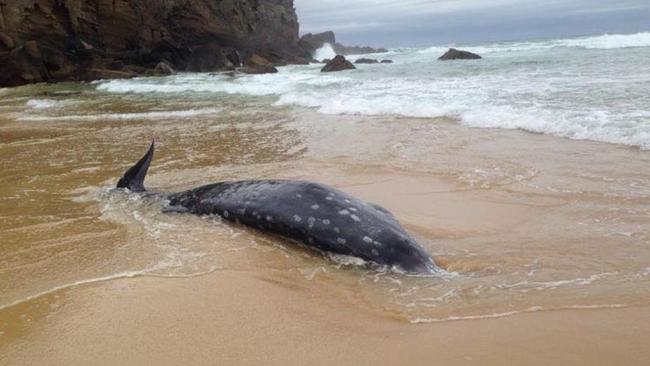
<point x="257" y="64"/>
<point x="311" y="42"/>
<point x="356" y="50"/>
<point x="338" y="63"/>
<point x="56" y="40"/>
<point x="163" y="68"/>
<point x="366" y="61"/>
<point x="454" y="54"/>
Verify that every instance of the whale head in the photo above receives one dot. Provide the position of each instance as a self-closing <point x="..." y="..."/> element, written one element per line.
<point x="400" y="250"/>
<point x="411" y="258"/>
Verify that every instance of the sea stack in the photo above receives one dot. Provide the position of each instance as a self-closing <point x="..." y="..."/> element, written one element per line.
<point x="311" y="42"/>
<point x="338" y="63"/>
<point x="454" y="54"/>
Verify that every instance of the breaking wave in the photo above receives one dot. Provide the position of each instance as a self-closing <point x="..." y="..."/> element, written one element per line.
<point x="609" y="41"/>
<point x="563" y="91"/>
<point x="325" y="52"/>
<point x="600" y="42"/>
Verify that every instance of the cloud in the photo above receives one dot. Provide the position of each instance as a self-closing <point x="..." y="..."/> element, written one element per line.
<point x="372" y="20"/>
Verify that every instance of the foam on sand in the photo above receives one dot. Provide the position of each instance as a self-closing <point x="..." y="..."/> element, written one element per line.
<point x="155" y="115"/>
<point x="47" y="103"/>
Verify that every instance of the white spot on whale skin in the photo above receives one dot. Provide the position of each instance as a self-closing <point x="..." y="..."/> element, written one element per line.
<point x="348" y="201"/>
<point x="353" y="209"/>
<point x="355" y="218"/>
<point x="374" y="252"/>
<point x="337" y="230"/>
<point x="311" y="221"/>
<point x="226" y="214"/>
<point x="329" y="198"/>
<point x="341" y="240"/>
<point x="344" y="212"/>
<point x="297" y="218"/>
<point x="326" y="222"/>
<point x="298" y="195"/>
<point x="315" y="207"/>
<point x="269" y="218"/>
<point x="367" y="239"/>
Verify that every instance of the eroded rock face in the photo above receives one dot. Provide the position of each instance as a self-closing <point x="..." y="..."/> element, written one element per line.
<point x="54" y="40"/>
<point x="454" y="54"/>
<point x="338" y="63"/>
<point x="256" y="64"/>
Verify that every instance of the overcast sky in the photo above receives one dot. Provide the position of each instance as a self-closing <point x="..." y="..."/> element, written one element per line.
<point x="395" y="23"/>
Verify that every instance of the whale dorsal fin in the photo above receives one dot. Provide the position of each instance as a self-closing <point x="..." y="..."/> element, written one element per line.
<point x="133" y="179"/>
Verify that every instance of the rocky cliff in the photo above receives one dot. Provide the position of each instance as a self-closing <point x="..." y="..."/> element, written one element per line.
<point x="312" y="42"/>
<point x="54" y="40"/>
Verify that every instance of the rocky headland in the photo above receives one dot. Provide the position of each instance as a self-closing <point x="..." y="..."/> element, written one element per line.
<point x="312" y="42"/>
<point x="57" y="40"/>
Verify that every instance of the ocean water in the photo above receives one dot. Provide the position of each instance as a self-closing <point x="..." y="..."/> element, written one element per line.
<point x="520" y="221"/>
<point x="595" y="88"/>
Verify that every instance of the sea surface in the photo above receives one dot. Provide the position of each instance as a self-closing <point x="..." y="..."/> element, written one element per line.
<point x="593" y="88"/>
<point x="525" y="174"/>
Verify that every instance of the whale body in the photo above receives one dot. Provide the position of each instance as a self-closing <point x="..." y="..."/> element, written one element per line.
<point x="313" y="214"/>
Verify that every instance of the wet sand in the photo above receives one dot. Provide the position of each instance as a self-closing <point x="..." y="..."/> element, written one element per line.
<point x="232" y="317"/>
<point x="544" y="242"/>
<point x="252" y="316"/>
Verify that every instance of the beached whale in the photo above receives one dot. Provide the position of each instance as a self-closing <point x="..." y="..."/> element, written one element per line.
<point x="313" y="214"/>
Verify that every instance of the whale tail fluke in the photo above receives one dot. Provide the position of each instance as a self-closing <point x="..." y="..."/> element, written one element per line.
<point x="133" y="179"/>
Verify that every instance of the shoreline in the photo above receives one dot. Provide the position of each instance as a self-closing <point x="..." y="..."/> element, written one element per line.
<point x="144" y="274"/>
<point x="527" y="221"/>
<point x="171" y="321"/>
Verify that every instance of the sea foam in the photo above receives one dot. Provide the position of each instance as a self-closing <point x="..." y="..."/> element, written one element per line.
<point x="609" y="41"/>
<point x="156" y="115"/>
<point x="47" y="103"/>
<point x="599" y="42"/>
<point x="325" y="52"/>
<point x="558" y="87"/>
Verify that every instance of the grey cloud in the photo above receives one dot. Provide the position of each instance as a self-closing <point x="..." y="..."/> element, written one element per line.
<point x="425" y="22"/>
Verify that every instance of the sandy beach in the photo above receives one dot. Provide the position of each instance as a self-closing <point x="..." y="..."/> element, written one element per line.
<point x="230" y="317"/>
<point x="543" y="240"/>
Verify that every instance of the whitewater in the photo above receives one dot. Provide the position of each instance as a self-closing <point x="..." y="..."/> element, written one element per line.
<point x="589" y="88"/>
